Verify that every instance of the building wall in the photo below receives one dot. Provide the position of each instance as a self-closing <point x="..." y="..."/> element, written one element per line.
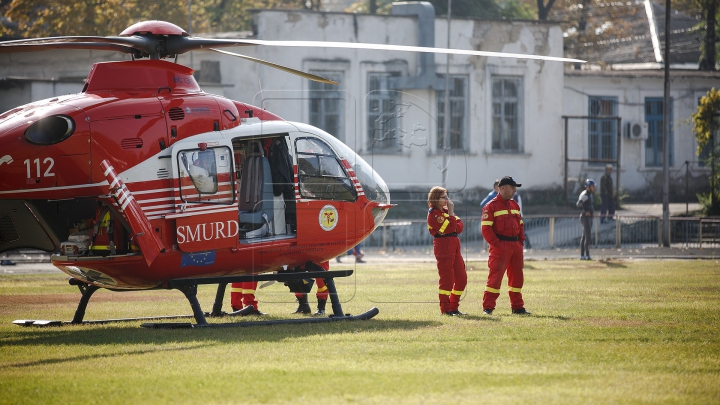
<point x="631" y="90"/>
<point x="419" y="164"/>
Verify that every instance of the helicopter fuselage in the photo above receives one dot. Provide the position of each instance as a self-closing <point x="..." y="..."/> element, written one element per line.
<point x="143" y="178"/>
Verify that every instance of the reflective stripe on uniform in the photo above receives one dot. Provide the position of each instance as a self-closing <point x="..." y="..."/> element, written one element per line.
<point x="514" y="289"/>
<point x="498" y="213"/>
<point x="486" y="223"/>
<point x="236" y="289"/>
<point x="492" y="290"/>
<point x="457" y="217"/>
<point x="429" y="227"/>
<point x="521" y="221"/>
<point x="456" y="292"/>
<point x="248" y="292"/>
<point x="444" y="225"/>
<point x="446" y="215"/>
<point x="322" y="289"/>
<point x="443" y="292"/>
<point x="515" y="212"/>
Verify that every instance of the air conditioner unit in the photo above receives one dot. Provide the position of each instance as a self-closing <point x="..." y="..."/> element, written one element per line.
<point x="636" y="130"/>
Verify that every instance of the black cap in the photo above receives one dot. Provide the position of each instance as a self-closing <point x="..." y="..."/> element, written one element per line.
<point x="508" y="181"/>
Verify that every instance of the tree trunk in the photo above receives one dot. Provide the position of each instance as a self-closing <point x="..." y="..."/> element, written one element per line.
<point x="373" y="6"/>
<point x="544" y="10"/>
<point x="707" y="60"/>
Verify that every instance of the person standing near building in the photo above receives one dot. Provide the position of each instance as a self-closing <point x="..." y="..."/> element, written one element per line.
<point x="585" y="203"/>
<point x="445" y="227"/>
<point x="491" y="194"/>
<point x="607" y="195"/>
<point x="502" y="227"/>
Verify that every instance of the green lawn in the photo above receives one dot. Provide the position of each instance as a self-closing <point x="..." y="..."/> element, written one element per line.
<point x="620" y="332"/>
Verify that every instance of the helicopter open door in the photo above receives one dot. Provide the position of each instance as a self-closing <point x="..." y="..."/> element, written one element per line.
<point x="205" y="197"/>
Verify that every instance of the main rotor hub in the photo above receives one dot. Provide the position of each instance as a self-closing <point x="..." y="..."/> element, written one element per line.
<point x="153" y="27"/>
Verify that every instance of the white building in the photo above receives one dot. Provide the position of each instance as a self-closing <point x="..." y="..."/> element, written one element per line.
<point x="506" y="114"/>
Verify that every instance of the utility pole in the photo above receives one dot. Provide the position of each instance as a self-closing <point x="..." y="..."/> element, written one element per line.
<point x="446" y="121"/>
<point x="666" y="133"/>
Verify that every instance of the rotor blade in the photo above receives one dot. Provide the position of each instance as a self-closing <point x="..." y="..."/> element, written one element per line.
<point x="312" y="77"/>
<point x="64" y="45"/>
<point x="81" y="42"/>
<point x="403" y="48"/>
<point x="180" y="45"/>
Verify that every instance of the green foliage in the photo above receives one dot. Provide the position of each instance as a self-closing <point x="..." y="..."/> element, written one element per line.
<point x="705" y="122"/>
<point x="41" y="18"/>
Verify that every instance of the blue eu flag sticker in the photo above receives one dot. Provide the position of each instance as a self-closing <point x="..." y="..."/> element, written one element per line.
<point x="198" y="259"/>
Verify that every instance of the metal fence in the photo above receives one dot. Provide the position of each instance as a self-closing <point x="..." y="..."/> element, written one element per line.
<point x="553" y="232"/>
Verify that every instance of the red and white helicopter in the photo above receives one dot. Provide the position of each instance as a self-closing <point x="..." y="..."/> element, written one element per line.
<point x="144" y="181"/>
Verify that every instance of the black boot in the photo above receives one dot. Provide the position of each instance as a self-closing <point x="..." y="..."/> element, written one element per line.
<point x="303" y="305"/>
<point x="321" y="307"/>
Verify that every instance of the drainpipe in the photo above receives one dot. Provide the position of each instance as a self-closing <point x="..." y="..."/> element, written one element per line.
<point x="426" y="77"/>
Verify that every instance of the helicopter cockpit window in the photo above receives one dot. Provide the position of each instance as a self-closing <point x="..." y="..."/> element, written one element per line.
<point x="373" y="185"/>
<point x="320" y="174"/>
<point x="205" y="175"/>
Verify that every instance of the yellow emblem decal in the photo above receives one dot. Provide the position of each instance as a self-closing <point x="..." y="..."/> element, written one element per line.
<point x="485" y="215"/>
<point x="328" y="217"/>
<point x="440" y="219"/>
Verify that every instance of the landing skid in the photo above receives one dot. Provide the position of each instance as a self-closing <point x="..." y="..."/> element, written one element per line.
<point x="189" y="288"/>
<point x="332" y="318"/>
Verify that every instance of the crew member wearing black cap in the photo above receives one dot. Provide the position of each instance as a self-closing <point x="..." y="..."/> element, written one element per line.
<point x="502" y="227"/>
<point x="445" y="227"/>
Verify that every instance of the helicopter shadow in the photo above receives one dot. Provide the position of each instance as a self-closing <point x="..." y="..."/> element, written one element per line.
<point x="130" y="335"/>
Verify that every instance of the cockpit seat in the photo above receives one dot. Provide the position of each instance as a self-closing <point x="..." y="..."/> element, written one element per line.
<point x="255" y="204"/>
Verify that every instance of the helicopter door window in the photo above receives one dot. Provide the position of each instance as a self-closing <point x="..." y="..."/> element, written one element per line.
<point x="205" y="175"/>
<point x="320" y="174"/>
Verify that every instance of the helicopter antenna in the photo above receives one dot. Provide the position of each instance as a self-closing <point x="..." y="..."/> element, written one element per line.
<point x="262" y="97"/>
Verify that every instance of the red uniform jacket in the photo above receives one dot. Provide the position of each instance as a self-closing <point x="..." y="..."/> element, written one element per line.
<point x="440" y="222"/>
<point x="501" y="217"/>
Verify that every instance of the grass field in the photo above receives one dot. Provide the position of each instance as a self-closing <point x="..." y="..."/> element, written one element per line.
<point x="633" y="332"/>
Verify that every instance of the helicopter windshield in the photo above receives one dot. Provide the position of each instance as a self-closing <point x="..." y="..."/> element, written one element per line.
<point x="373" y="185"/>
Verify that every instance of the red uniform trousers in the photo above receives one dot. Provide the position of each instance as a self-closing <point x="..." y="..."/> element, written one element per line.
<point x="451" y="269"/>
<point x="322" y="291"/>
<point x="505" y="256"/>
<point x="243" y="294"/>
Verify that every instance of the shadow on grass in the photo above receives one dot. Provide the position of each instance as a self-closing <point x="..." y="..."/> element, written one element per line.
<point x="613" y="264"/>
<point x="130" y="335"/>
<point x="46" y="362"/>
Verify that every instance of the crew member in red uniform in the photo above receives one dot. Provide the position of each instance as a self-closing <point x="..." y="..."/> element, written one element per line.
<point x="502" y="227"/>
<point x="445" y="227"/>
<point x="321" y="294"/>
<point x="244" y="294"/>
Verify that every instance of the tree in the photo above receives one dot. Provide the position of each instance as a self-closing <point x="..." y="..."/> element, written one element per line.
<point x="706" y="128"/>
<point x="43" y="18"/>
<point x="709" y="12"/>
<point x="544" y="9"/>
<point x="486" y="9"/>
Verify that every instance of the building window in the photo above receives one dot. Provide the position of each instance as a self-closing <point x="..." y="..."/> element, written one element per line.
<point x="382" y="114"/>
<point x="458" y="105"/>
<point x="507" y="112"/>
<point x="602" y="132"/>
<point x="654" y="150"/>
<point x="327" y="107"/>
